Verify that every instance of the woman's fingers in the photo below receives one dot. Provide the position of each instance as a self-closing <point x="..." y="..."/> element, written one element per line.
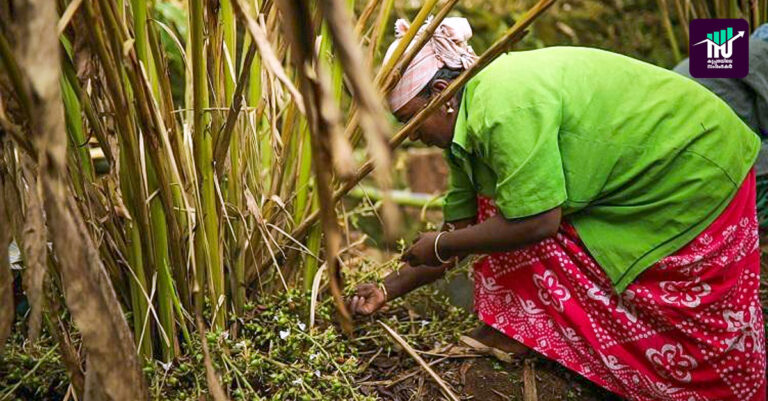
<point x="365" y="289"/>
<point x="366" y="308"/>
<point x="366" y="299"/>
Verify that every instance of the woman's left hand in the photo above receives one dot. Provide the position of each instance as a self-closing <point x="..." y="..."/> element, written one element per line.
<point x="422" y="252"/>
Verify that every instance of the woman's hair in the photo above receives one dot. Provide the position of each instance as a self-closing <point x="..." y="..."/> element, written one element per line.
<point x="445" y="73"/>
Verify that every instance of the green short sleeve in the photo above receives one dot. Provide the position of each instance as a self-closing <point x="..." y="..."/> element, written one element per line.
<point x="460" y="201"/>
<point x="521" y="147"/>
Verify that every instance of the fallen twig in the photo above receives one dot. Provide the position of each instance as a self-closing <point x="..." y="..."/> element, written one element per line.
<point x="529" y="381"/>
<point x="444" y="387"/>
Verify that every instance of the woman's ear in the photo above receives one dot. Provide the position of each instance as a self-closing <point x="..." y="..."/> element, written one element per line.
<point x="439" y="85"/>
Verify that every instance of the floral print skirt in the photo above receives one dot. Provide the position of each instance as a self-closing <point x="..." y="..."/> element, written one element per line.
<point x="689" y="328"/>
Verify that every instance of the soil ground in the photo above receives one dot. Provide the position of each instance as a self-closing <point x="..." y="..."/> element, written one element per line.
<point x="485" y="378"/>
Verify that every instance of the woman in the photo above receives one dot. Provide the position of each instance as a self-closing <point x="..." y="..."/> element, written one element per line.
<point x="615" y="202"/>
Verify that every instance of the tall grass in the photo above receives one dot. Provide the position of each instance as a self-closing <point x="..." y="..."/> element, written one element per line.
<point x="211" y="197"/>
<point x="677" y="14"/>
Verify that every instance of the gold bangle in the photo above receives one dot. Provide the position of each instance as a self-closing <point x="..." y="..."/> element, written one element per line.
<point x="384" y="290"/>
<point x="437" y="254"/>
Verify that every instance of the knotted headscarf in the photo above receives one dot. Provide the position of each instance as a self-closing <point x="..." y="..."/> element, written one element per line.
<point x="446" y="48"/>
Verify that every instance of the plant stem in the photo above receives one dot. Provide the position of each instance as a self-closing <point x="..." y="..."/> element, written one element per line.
<point x="207" y="233"/>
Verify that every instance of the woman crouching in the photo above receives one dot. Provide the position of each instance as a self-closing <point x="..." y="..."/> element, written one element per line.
<point x="615" y="201"/>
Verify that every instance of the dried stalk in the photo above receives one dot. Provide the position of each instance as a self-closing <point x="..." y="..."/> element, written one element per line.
<point x="223" y="139"/>
<point x="666" y="20"/>
<point x="320" y="108"/>
<point x="364" y="16"/>
<point x="214" y="385"/>
<point x="21" y="91"/>
<point x="112" y="363"/>
<point x="529" y="380"/>
<point x="512" y="36"/>
<point x="399" y="340"/>
<point x="371" y="112"/>
<point x="390" y="79"/>
<point x="35" y="249"/>
<point x="7" y="311"/>
<point x="268" y="56"/>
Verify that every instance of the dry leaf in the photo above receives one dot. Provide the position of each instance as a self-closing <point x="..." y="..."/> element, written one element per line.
<point x="35" y="250"/>
<point x="113" y="370"/>
<point x="7" y="310"/>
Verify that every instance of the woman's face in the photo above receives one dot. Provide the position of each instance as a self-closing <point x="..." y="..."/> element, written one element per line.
<point x="437" y="129"/>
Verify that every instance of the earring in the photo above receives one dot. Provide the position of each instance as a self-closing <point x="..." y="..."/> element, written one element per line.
<point x="450" y="109"/>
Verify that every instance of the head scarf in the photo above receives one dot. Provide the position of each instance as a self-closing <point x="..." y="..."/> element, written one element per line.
<point x="446" y="48"/>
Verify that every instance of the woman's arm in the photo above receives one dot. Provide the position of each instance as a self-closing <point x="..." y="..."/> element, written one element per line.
<point x="410" y="277"/>
<point x="369" y="297"/>
<point x="496" y="234"/>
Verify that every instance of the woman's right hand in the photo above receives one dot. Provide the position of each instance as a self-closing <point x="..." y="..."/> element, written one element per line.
<point x="368" y="299"/>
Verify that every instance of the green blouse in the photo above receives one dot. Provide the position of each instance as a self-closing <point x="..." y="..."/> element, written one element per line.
<point x="640" y="159"/>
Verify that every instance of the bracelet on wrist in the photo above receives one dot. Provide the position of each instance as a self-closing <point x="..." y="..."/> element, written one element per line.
<point x="384" y="290"/>
<point x="437" y="254"/>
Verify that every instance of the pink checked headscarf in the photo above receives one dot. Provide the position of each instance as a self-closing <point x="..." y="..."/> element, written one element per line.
<point x="446" y="48"/>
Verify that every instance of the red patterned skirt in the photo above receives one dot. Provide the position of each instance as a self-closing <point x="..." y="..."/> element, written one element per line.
<point x="689" y="328"/>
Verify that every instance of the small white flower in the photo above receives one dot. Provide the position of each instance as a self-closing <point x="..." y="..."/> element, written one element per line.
<point x="424" y="323"/>
<point x="317" y="373"/>
<point x="302" y="326"/>
<point x="166" y="366"/>
<point x="312" y="357"/>
<point x="297" y="381"/>
<point x="284" y="333"/>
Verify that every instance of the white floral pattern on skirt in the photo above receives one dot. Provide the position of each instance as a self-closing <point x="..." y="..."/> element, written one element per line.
<point x="690" y="328"/>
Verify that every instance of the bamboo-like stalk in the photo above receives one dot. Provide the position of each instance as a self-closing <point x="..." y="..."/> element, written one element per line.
<point x="510" y="37"/>
<point x="371" y="111"/>
<point x="20" y="90"/>
<point x="7" y="311"/>
<point x="229" y="27"/>
<point x="402" y="198"/>
<point x="405" y="41"/>
<point x="225" y="138"/>
<point x="753" y="11"/>
<point x="382" y="23"/>
<point x="666" y="20"/>
<point x="364" y="16"/>
<point x="207" y="252"/>
<point x="318" y="102"/>
<point x="390" y="79"/>
<point x="77" y="139"/>
<point x="387" y="78"/>
<point x="233" y="93"/>
<point x="142" y="331"/>
<point x="270" y="61"/>
<point x="157" y="215"/>
<point x="112" y="364"/>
